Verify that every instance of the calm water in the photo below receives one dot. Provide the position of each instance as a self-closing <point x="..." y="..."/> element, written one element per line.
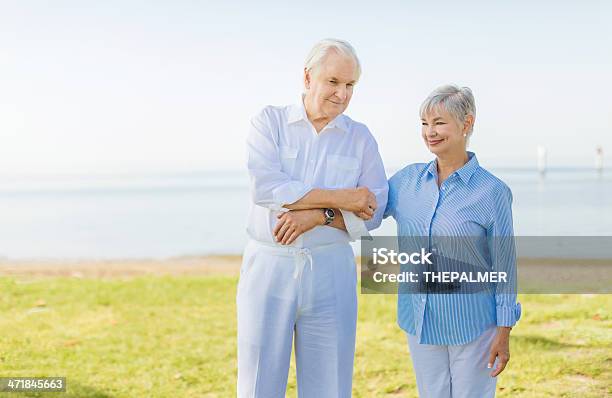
<point x="205" y="213"/>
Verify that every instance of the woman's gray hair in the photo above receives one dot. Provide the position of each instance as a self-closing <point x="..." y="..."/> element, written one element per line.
<point x="458" y="101"/>
<point x="321" y="49"/>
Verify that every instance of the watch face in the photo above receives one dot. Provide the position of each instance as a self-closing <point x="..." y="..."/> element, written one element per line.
<point x="330" y="213"/>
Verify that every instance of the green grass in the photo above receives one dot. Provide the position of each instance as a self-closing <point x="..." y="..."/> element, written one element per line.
<point x="175" y="337"/>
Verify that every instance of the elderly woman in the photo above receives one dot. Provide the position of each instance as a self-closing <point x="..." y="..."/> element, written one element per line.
<point x="459" y="342"/>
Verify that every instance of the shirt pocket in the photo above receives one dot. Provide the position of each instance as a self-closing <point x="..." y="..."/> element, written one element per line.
<point x="288" y="158"/>
<point x="341" y="171"/>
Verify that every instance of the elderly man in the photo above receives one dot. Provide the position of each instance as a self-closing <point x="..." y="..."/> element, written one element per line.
<point x="317" y="182"/>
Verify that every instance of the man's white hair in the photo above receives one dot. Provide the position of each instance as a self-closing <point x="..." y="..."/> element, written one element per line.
<point x="321" y="49"/>
<point x="458" y="101"/>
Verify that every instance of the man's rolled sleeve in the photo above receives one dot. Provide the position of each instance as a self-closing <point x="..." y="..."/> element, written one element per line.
<point x="270" y="186"/>
<point x="374" y="178"/>
<point x="287" y="193"/>
<point x="355" y="226"/>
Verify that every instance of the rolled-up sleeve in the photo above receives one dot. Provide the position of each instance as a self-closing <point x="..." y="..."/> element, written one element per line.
<point x="270" y="186"/>
<point x="374" y="178"/>
<point x="500" y="238"/>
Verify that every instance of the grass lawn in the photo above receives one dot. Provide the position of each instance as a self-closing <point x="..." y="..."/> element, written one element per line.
<point x="174" y="336"/>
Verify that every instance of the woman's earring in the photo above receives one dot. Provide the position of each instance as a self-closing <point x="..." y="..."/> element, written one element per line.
<point x="465" y="135"/>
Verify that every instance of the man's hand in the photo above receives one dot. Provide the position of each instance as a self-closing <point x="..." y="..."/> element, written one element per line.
<point x="360" y="201"/>
<point x="500" y="348"/>
<point x="292" y="224"/>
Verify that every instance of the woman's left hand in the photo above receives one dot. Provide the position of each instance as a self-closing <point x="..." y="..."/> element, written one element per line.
<point x="500" y="348"/>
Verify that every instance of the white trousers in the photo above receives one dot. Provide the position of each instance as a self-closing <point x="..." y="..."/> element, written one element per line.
<point x="454" y="371"/>
<point x="307" y="297"/>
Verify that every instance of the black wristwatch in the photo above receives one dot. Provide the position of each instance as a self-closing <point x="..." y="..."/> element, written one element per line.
<point x="329" y="216"/>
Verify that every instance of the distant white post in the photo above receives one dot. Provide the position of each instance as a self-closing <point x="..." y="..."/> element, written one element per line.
<point x="541" y="159"/>
<point x="599" y="159"/>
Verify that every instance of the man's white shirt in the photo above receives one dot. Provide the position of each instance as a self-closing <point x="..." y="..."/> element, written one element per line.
<point x="287" y="159"/>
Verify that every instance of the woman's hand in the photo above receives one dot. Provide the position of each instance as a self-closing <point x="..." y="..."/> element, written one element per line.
<point x="293" y="223"/>
<point x="500" y="348"/>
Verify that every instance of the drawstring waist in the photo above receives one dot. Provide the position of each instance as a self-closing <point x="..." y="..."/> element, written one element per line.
<point x="302" y="255"/>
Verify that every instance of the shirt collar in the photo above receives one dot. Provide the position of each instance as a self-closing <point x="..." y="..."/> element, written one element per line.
<point x="432" y="168"/>
<point x="465" y="172"/>
<point x="297" y="112"/>
<point x="469" y="168"/>
<point x="340" y="122"/>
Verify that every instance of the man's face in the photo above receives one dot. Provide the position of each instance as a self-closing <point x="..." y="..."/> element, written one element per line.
<point x="329" y="87"/>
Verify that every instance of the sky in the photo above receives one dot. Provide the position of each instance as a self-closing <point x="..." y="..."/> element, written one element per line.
<point x="170" y="86"/>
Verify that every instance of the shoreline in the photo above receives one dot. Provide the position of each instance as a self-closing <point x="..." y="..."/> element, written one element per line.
<point x="103" y="268"/>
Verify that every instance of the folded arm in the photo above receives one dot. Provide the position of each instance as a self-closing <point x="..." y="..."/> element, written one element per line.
<point x="274" y="189"/>
<point x="360" y="209"/>
<point x="292" y="224"/>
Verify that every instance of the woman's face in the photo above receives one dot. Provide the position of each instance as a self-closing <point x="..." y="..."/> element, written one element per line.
<point x="442" y="133"/>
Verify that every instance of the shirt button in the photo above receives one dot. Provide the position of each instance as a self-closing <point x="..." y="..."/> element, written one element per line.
<point x="423" y="299"/>
<point x="443" y="188"/>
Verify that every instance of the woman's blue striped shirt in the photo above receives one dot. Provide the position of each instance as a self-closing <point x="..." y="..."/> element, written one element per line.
<point x="472" y="203"/>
